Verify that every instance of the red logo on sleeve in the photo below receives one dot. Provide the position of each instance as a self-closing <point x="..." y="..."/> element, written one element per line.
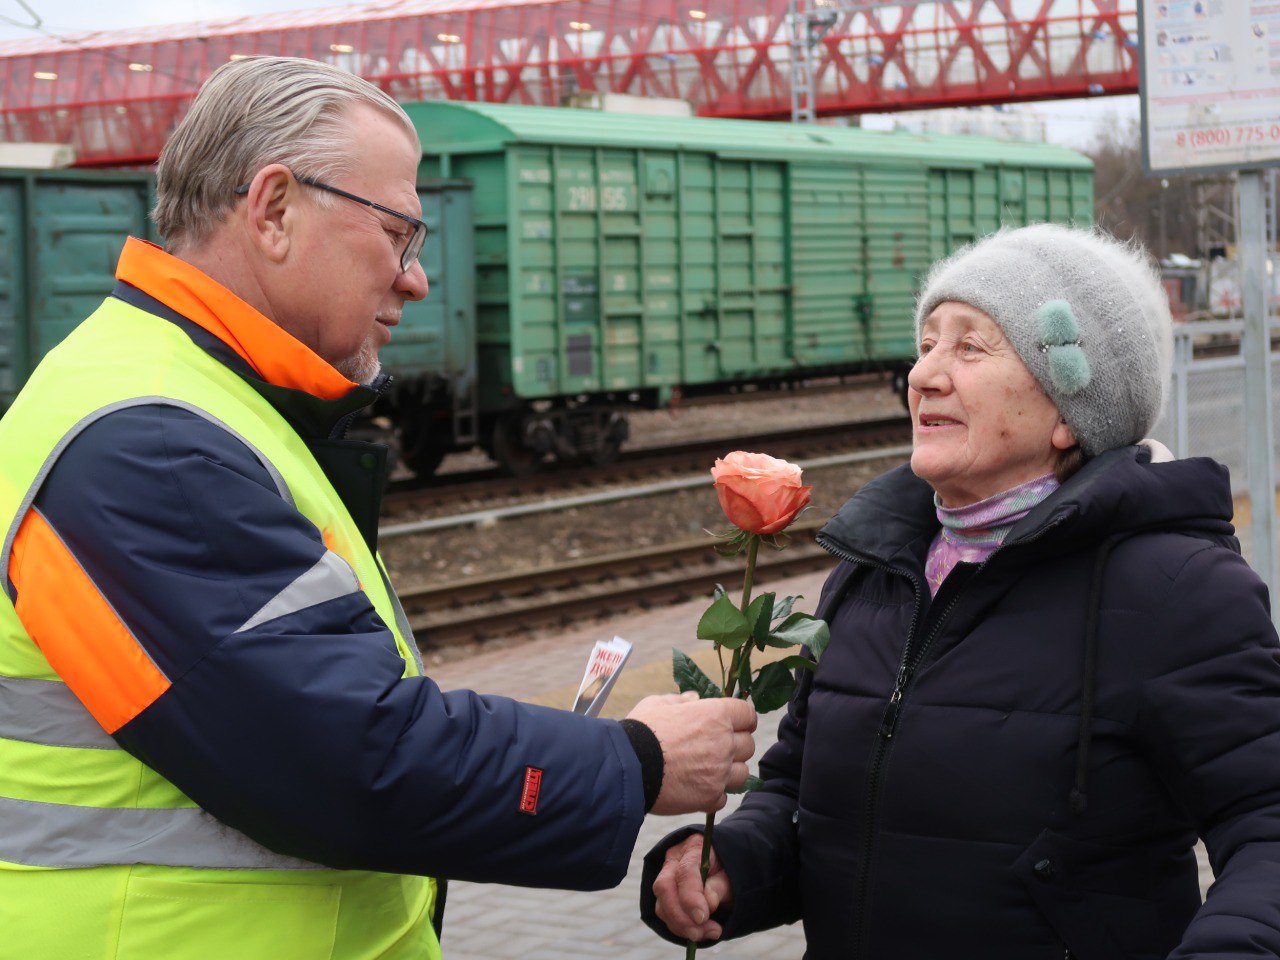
<point x="532" y="787"/>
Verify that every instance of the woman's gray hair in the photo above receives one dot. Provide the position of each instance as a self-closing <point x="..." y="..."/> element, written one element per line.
<point x="251" y="113"/>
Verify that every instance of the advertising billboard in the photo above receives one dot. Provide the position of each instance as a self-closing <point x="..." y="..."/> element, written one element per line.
<point x="1210" y="84"/>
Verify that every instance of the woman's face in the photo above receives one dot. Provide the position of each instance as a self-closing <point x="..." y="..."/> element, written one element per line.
<point x="981" y="422"/>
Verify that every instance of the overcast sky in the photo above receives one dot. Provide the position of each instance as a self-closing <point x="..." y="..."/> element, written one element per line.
<point x="1073" y="123"/>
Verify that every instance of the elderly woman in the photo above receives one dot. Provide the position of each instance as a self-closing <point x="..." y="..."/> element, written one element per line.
<point x="1050" y="669"/>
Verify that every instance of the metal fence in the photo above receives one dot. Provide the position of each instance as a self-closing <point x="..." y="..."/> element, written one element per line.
<point x="1206" y="414"/>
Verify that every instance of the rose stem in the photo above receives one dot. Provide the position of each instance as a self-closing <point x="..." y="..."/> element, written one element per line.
<point x="691" y="947"/>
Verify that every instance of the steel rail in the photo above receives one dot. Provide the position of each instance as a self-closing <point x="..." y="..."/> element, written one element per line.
<point x="494" y="514"/>
<point x="486" y="607"/>
<point x="787" y="442"/>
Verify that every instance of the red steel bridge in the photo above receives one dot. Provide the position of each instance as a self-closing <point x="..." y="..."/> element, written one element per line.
<point x="116" y="95"/>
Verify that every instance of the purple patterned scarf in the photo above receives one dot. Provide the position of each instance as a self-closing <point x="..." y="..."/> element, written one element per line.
<point x="971" y="534"/>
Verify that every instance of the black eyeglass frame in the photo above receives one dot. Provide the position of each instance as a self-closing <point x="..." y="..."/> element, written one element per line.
<point x="409" y="255"/>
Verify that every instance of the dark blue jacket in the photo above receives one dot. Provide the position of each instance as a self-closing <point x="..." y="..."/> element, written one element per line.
<point x="1019" y="767"/>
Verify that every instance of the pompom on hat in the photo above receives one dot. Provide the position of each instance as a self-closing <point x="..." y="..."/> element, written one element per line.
<point x="1086" y="314"/>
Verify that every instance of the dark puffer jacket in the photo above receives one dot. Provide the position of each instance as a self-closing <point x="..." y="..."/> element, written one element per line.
<point x="935" y="791"/>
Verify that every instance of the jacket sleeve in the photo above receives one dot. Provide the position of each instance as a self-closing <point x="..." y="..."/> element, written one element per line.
<point x="299" y="729"/>
<point x="1210" y="718"/>
<point x="758" y="842"/>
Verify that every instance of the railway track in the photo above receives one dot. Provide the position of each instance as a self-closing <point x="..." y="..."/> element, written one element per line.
<point x="549" y="597"/>
<point x="641" y="465"/>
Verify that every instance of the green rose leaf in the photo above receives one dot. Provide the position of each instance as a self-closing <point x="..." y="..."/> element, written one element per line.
<point x="798" y="662"/>
<point x="773" y="687"/>
<point x="689" y="676"/>
<point x="782" y="610"/>
<point x="753" y="783"/>
<point x="775" y="641"/>
<point x="781" y="635"/>
<point x="759" y="616"/>
<point x="803" y="630"/>
<point x="723" y="623"/>
<point x="821" y="637"/>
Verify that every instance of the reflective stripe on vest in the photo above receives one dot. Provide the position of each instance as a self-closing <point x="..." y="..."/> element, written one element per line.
<point x="48" y="713"/>
<point x="62" y="835"/>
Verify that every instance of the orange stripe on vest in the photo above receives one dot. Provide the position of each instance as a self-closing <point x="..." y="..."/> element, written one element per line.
<point x="77" y="631"/>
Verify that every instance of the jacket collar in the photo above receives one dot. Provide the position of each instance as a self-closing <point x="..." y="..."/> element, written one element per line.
<point x="886" y="521"/>
<point x="892" y="519"/>
<point x="303" y="388"/>
<point x="275" y="355"/>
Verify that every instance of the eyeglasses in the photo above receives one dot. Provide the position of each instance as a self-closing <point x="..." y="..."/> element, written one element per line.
<point x="416" y="239"/>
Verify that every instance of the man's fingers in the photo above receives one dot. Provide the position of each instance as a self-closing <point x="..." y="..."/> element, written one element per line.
<point x="700" y="739"/>
<point x="741" y="714"/>
<point x="738" y="774"/>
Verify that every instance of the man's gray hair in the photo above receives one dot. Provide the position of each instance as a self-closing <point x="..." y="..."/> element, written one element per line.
<point x="251" y="113"/>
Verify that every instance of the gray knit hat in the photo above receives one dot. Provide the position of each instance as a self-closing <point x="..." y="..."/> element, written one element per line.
<point x="1086" y="314"/>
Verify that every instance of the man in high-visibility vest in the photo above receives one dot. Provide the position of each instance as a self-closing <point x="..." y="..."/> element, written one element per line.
<point x="216" y="740"/>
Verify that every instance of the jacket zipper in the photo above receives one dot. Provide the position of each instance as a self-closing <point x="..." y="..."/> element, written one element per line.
<point x="380" y="387"/>
<point x="889" y="720"/>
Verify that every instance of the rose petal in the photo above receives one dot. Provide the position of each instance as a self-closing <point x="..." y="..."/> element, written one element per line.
<point x="787" y="511"/>
<point x="742" y="513"/>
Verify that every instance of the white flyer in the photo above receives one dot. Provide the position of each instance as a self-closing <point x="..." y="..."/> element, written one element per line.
<point x="607" y="659"/>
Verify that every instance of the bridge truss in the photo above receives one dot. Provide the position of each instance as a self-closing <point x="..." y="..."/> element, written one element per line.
<point x="117" y="95"/>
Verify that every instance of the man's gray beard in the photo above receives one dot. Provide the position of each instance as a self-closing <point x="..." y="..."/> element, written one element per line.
<point x="364" y="366"/>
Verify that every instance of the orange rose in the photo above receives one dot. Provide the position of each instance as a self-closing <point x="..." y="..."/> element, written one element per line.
<point x="758" y="493"/>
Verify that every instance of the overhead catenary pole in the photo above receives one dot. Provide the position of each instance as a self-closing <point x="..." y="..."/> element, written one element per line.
<point x="1256" y="347"/>
<point x="802" y="91"/>
<point x="808" y="27"/>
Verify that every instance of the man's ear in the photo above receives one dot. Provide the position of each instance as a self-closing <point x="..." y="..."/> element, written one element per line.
<point x="270" y="209"/>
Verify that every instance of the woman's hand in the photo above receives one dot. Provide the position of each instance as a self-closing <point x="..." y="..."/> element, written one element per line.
<point x="684" y="904"/>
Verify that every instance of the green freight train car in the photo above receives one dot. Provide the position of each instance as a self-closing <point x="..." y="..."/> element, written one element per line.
<point x="603" y="261"/>
<point x="621" y="257"/>
<point x="60" y="236"/>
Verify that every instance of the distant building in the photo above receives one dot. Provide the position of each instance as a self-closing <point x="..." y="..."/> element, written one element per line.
<point x="974" y="121"/>
<point x="44" y="156"/>
<point x="625" y="103"/>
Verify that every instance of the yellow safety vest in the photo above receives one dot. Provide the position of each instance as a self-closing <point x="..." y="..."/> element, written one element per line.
<point x="102" y="858"/>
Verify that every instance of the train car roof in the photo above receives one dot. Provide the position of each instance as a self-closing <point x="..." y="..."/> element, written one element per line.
<point x="467" y="127"/>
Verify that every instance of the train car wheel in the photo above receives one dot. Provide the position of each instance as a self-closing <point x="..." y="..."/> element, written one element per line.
<point x="606" y="453"/>
<point x="421" y="446"/>
<point x="509" y="450"/>
<point x="611" y="432"/>
<point x="900" y="386"/>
